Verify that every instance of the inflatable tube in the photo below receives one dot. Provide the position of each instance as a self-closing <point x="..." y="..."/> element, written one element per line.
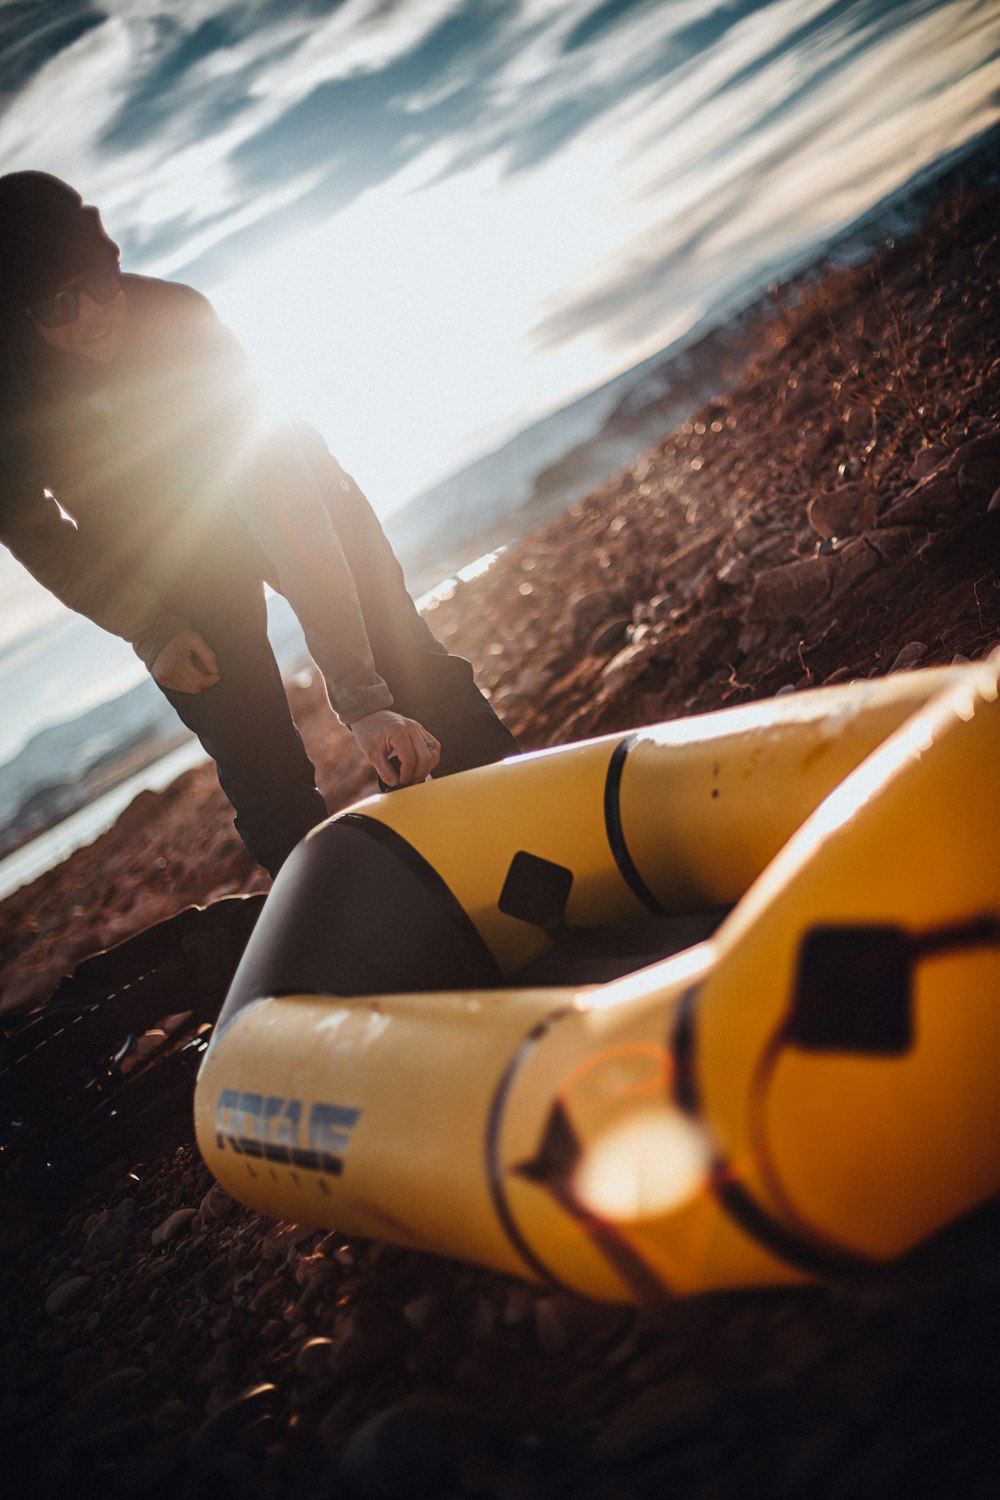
<point x="808" y="1094"/>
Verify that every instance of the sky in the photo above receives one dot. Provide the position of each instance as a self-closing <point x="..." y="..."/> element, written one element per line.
<point x="432" y="221"/>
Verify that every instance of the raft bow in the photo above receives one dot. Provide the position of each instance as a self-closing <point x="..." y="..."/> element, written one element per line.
<point x="807" y="1094"/>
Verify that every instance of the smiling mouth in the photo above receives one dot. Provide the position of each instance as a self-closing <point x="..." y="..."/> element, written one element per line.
<point x="98" y="340"/>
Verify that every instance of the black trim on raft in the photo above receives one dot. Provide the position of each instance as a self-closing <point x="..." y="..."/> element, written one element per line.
<point x="494" y="1169"/>
<point x="747" y="1213"/>
<point x="681" y="1049"/>
<point x="356" y="911"/>
<point x="733" y="1197"/>
<point x="616" y="833"/>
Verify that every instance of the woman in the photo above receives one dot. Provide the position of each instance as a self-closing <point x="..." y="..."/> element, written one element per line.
<point x="138" y="484"/>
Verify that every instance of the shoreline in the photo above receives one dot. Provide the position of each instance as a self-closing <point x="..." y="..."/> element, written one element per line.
<point x="45" y="850"/>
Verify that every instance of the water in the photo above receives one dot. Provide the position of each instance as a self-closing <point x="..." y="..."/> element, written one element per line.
<point x="33" y="859"/>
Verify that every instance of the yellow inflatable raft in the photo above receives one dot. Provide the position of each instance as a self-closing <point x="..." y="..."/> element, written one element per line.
<point x="809" y="1093"/>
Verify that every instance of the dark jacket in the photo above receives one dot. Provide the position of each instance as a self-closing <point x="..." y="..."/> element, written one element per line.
<point x="118" y="480"/>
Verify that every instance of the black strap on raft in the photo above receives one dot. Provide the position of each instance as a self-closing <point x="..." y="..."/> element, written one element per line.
<point x="733" y="1197"/>
<point x="356" y="910"/>
<point x="616" y="832"/>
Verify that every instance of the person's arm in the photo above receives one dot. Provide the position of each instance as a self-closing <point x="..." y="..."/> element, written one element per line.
<point x="282" y="507"/>
<point x="48" y="543"/>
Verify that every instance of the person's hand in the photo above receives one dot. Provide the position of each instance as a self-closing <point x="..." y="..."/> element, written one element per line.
<point x="186" y="664"/>
<point x="386" y="736"/>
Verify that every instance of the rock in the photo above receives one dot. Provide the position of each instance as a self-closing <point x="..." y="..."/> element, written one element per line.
<point x="421" y="1312"/>
<point x="269" y="1291"/>
<point x="986" y="445"/>
<point x="910" y="655"/>
<point x="627" y="665"/>
<point x="842" y="512"/>
<point x="110" y="1235"/>
<point x="550" y="1326"/>
<point x="313" y="1359"/>
<point x="231" y="1419"/>
<point x="927" y="460"/>
<point x="933" y="497"/>
<point x="174" y="1415"/>
<point x="66" y="1295"/>
<point x="483" y="1323"/>
<point x="734" y="574"/>
<point x="111" y="1394"/>
<point x="647" y="1421"/>
<point x="216" y="1204"/>
<point x="605" y="638"/>
<point x="792" y="589"/>
<point x="172" y="1226"/>
<point x="531" y="682"/>
<point x="977" y="479"/>
<point x="517" y="1305"/>
<point x="419" y="1447"/>
<point x="852" y="562"/>
<point x="892" y="543"/>
<point x="588" y="609"/>
<point x="282" y="1238"/>
<point x="752" y="639"/>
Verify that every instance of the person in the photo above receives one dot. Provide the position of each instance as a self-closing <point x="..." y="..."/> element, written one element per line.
<point x="139" y="484"/>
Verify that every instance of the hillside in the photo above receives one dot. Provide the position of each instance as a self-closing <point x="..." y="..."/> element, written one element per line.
<point x="833" y="515"/>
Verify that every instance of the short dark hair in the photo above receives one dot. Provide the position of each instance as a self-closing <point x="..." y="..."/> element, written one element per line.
<point x="48" y="235"/>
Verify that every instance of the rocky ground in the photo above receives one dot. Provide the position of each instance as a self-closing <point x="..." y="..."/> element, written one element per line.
<point x="835" y="516"/>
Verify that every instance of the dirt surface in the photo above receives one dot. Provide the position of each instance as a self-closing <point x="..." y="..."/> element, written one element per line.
<point x="828" y="519"/>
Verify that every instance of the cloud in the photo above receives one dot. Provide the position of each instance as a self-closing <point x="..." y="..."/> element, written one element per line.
<point x="210" y="130"/>
<point x="773" y="139"/>
<point x="30" y="37"/>
<point x="355" y="130"/>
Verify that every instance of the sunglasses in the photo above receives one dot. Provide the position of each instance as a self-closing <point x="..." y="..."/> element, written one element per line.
<point x="58" y="308"/>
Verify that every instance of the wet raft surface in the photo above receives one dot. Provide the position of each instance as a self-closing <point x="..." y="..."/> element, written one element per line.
<point x="160" y="1340"/>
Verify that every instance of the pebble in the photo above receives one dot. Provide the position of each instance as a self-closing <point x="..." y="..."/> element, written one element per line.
<point x="912" y="653"/>
<point x="550" y="1326"/>
<point x="841" y="512"/>
<point x="313" y="1359"/>
<point x="484" y="1318"/>
<point x="66" y="1296"/>
<point x="111" y="1233"/>
<point x="517" y="1305"/>
<point x="421" y="1312"/>
<point x="793" y="589"/>
<point x="233" y="1416"/>
<point x="174" y="1225"/>
<point x="173" y="1415"/>
<point x="111" y="1393"/>
<point x="416" y="1448"/>
<point x="216" y="1204"/>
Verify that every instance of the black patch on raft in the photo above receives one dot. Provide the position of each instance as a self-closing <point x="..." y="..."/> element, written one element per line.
<point x="852" y="992"/>
<point x="536" y="890"/>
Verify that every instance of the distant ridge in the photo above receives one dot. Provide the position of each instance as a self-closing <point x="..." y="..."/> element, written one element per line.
<point x="544" y="468"/>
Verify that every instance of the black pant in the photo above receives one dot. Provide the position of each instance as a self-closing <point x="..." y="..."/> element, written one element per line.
<point x="244" y="721"/>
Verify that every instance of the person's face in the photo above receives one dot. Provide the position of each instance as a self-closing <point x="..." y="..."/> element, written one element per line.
<point x="96" y="330"/>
